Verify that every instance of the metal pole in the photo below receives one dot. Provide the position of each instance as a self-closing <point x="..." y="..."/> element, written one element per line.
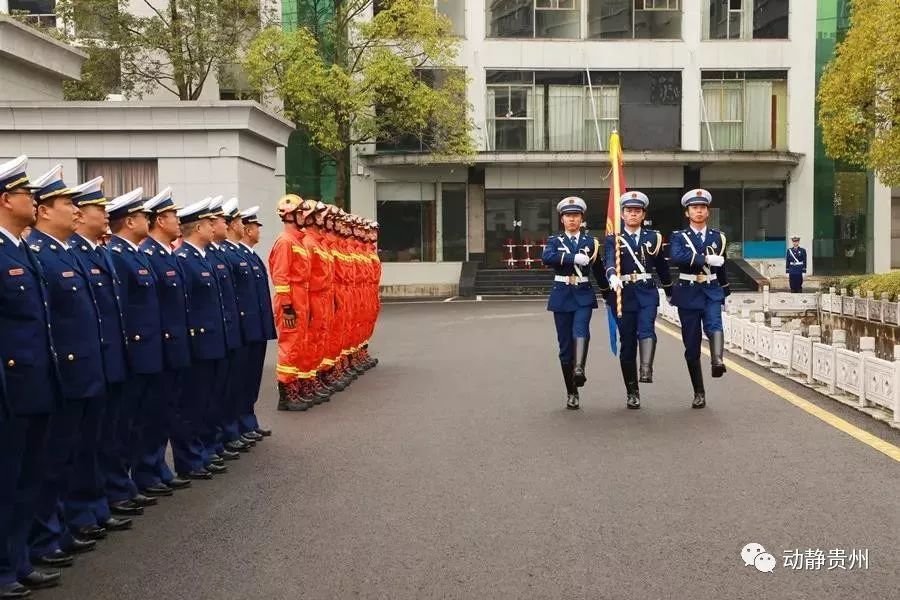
<point x="593" y="108"/>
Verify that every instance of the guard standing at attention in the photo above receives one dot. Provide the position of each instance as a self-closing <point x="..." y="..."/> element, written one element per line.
<point x="795" y="265"/>
<point x="640" y="251"/>
<point x="571" y="255"/>
<point x="699" y="254"/>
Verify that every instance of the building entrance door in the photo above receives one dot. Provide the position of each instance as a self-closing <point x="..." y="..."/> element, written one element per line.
<point x="514" y="218"/>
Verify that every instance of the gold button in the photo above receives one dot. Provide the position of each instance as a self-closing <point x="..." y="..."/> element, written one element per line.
<point x="99" y="284"/>
<point x="74" y="289"/>
<point x="71" y="357"/>
<point x="22" y="287"/>
<point x="192" y="333"/>
<point x="202" y="330"/>
<point x="137" y="338"/>
<point x="11" y="363"/>
<point x="167" y="336"/>
<point x="242" y="313"/>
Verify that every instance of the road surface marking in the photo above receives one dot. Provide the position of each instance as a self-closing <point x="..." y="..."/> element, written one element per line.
<point x="835" y="421"/>
<point x="451" y="298"/>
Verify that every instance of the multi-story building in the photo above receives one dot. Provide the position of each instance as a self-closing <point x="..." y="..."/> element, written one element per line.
<point x="711" y="93"/>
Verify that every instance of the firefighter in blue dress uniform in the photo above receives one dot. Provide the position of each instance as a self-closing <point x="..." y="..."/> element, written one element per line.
<point x="699" y="254"/>
<point x="572" y="255"/>
<point x="640" y="251"/>
<point x="795" y="265"/>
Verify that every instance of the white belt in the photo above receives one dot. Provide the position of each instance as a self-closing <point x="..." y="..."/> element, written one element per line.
<point x="570" y="279"/>
<point x="700" y="278"/>
<point x="635" y="277"/>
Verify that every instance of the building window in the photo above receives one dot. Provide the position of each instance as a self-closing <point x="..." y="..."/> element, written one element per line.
<point x="39" y="13"/>
<point x="515" y="113"/>
<point x="634" y="19"/>
<point x="455" y="10"/>
<point x="745" y="19"/>
<point x="744" y="110"/>
<point x="121" y="176"/>
<point x="407" y="215"/>
<point x="546" y="19"/>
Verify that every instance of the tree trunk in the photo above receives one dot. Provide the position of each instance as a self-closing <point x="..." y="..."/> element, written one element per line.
<point x="341" y="165"/>
<point x="177" y="50"/>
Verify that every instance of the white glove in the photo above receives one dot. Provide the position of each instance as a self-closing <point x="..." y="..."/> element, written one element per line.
<point x="615" y="283"/>
<point x="714" y="260"/>
<point x="582" y="259"/>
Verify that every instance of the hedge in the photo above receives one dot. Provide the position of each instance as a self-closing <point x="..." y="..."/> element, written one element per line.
<point x="879" y="284"/>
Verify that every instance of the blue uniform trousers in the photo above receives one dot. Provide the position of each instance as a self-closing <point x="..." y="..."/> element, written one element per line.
<point x="239" y="370"/>
<point x="257" y="358"/>
<point x="124" y="430"/>
<point x="49" y="530"/>
<point x="84" y="500"/>
<point x="571" y="325"/>
<point x="635" y="325"/>
<point x="23" y="444"/>
<point x="149" y="450"/>
<point x="796" y="281"/>
<point x="211" y="416"/>
<point x="195" y="382"/>
<point x="711" y="317"/>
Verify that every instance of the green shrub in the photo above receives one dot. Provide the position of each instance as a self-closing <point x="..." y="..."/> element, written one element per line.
<point x="883" y="283"/>
<point x="852" y="282"/>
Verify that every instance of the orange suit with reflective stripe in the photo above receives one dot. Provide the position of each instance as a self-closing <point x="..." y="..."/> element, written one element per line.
<point x="289" y="267"/>
<point x="321" y="300"/>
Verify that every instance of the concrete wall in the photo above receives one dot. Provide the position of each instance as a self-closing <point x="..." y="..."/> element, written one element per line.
<point x="420" y="279"/>
<point x="19" y="81"/>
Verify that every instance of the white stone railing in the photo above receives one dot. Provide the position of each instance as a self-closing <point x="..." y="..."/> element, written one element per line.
<point x="858" y="379"/>
<point x="867" y="308"/>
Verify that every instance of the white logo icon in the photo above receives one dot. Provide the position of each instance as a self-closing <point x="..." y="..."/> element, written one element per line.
<point x="765" y="562"/>
<point x="750" y="552"/>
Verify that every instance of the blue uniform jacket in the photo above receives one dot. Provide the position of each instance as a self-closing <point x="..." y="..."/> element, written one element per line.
<point x="245" y="291"/>
<point x="74" y="319"/>
<point x="172" y="293"/>
<point x="26" y="347"/>
<point x="795" y="261"/>
<point x="559" y="254"/>
<point x="140" y="307"/>
<point x="263" y="295"/>
<point x="105" y="284"/>
<point x="648" y="252"/>
<point x="218" y="260"/>
<point x="206" y="323"/>
<point x="692" y="260"/>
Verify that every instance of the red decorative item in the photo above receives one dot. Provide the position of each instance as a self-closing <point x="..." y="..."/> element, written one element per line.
<point x="509" y="255"/>
<point x="528" y="262"/>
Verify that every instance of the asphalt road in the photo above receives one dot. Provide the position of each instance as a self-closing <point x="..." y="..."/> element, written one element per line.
<point x="453" y="471"/>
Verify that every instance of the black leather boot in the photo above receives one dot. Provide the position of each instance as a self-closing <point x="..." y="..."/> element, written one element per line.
<point x="581" y="351"/>
<point x="716" y="352"/>
<point x="696" y="373"/>
<point x="647" y="350"/>
<point x="571" y="390"/>
<point x="630" y="377"/>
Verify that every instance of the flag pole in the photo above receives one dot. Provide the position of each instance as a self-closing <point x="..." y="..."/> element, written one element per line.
<point x="615" y="152"/>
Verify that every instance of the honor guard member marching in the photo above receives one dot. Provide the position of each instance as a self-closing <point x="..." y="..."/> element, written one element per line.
<point x="795" y="265"/>
<point x="640" y="251"/>
<point x="222" y="439"/>
<point x="290" y="268"/>
<point x="76" y="330"/>
<point x="206" y="328"/>
<point x="172" y="294"/>
<point x="31" y="391"/>
<point x="86" y="507"/>
<point x="571" y="255"/>
<point x="140" y="424"/>
<point x="249" y="319"/>
<point x="248" y="421"/>
<point x="699" y="254"/>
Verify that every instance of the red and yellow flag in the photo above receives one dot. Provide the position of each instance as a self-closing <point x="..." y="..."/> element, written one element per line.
<point x="616" y="186"/>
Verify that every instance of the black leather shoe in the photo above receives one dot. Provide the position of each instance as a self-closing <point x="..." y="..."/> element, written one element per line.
<point x="178" y="483"/>
<point x="229" y="455"/>
<point x="204" y="474"/>
<point x="215" y="458"/>
<point x="157" y="490"/>
<point x="264" y="432"/>
<point x="14" y="591"/>
<point x="37" y="580"/>
<point x="216" y="469"/>
<point x="56" y="559"/>
<point x="114" y="524"/>
<point x="91" y="533"/>
<point x="80" y="546"/>
<point x="247" y="439"/>
<point x="126" y="508"/>
<point x="699" y="400"/>
<point x="142" y="500"/>
<point x="572" y="402"/>
<point x="581" y="352"/>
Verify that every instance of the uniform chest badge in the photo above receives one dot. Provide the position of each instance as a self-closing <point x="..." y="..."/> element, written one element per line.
<point x="68" y="274"/>
<point x="170" y="273"/>
<point x="220" y="266"/>
<point x="16" y="272"/>
<point x="204" y="274"/>
<point x="143" y="272"/>
<point x="95" y="271"/>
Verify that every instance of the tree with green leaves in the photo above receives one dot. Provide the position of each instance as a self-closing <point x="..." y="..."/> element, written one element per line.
<point x="346" y="81"/>
<point x="173" y="45"/>
<point x="859" y="93"/>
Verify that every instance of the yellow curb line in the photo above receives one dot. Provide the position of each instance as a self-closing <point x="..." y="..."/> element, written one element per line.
<point x="835" y="421"/>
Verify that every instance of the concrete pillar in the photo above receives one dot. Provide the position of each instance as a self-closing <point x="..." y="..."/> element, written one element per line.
<point x="879" y="255"/>
<point x="766" y="298"/>
<point x="815" y="333"/>
<point x="867" y="346"/>
<point x="897" y="357"/>
<point x="476" y="221"/>
<point x="839" y="338"/>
